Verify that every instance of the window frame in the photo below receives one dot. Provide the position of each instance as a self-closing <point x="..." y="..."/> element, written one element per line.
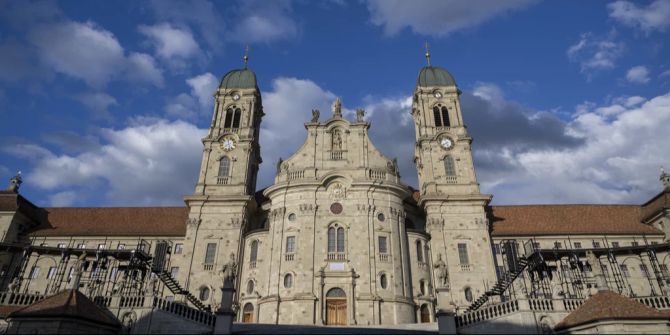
<point x="210" y="253"/>
<point x="463" y="254"/>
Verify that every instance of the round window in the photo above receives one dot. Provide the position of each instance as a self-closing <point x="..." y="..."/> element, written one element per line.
<point x="336" y="208"/>
<point x="291" y="217"/>
<point x="381" y="217"/>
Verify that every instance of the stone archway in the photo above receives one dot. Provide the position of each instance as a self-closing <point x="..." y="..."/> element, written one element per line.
<point x="336" y="307"/>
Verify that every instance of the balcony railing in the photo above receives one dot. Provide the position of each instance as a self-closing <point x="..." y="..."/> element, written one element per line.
<point x="384" y="257"/>
<point x="465" y="267"/>
<point x="296" y="174"/>
<point x="336" y="256"/>
<point x="374" y="174"/>
<point x="289" y="257"/>
<point x="252" y="264"/>
<point x="337" y="155"/>
<point x="451" y="179"/>
<point x="208" y="267"/>
<point x="222" y="180"/>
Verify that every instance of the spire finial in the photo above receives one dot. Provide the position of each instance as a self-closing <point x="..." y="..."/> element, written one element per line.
<point x="246" y="56"/>
<point x="427" y="54"/>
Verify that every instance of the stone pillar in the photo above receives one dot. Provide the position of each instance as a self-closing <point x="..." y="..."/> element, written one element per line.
<point x="225" y="315"/>
<point x="446" y="321"/>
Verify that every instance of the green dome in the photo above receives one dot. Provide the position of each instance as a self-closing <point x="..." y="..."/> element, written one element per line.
<point x="243" y="78"/>
<point x="435" y="76"/>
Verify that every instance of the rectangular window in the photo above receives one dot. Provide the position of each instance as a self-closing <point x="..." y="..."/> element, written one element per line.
<point x="62" y="245"/>
<point x="449" y="166"/>
<point x="624" y="270"/>
<point x="69" y="274"/>
<point x="35" y="273"/>
<point x="635" y="244"/>
<point x="44" y="244"/>
<point x="290" y="244"/>
<point x="615" y="244"/>
<point x="596" y="244"/>
<point x="178" y="248"/>
<point x="463" y="254"/>
<point x="174" y="272"/>
<point x="654" y="243"/>
<point x="644" y="270"/>
<point x="121" y="246"/>
<point x="383" y="248"/>
<point x="578" y="245"/>
<point x="81" y="246"/>
<point x="565" y="267"/>
<point x="536" y="245"/>
<point x="112" y="275"/>
<point x="51" y="273"/>
<point x="102" y="246"/>
<point x="558" y="245"/>
<point x="210" y="253"/>
<point x="496" y="249"/>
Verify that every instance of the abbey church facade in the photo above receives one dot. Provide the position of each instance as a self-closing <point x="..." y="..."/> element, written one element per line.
<point x="338" y="238"/>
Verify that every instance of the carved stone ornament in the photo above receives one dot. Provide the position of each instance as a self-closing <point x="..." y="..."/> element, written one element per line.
<point x="193" y="222"/>
<point x="337" y="191"/>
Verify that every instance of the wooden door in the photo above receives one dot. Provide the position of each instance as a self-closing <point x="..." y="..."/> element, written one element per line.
<point x="248" y="317"/>
<point x="336" y="312"/>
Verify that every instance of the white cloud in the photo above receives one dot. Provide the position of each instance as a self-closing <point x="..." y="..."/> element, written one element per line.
<point x="98" y="103"/>
<point x="638" y="74"/>
<point x="62" y="199"/>
<point x="203" y="15"/>
<point x="264" y="21"/>
<point x="183" y="106"/>
<point x="142" y="67"/>
<point x="203" y="87"/>
<point x="437" y="17"/>
<point x="172" y="44"/>
<point x="152" y="162"/>
<point x="81" y="50"/>
<point x="655" y="16"/>
<point x="596" y="53"/>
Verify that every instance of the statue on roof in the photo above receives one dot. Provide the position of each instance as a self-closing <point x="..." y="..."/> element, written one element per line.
<point x="665" y="179"/>
<point x="337" y="108"/>
<point x="315" y="115"/>
<point x="360" y="115"/>
<point x="15" y="182"/>
<point x="228" y="272"/>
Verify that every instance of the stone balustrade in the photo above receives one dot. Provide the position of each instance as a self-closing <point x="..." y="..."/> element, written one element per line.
<point x="184" y="311"/>
<point x="658" y="302"/>
<point x="487" y="313"/>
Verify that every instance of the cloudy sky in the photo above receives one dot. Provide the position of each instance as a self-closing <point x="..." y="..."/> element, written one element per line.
<point x="104" y="103"/>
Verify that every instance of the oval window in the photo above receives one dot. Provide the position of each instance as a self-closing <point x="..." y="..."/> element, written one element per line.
<point x="291" y="217"/>
<point x="383" y="281"/>
<point x="250" y="287"/>
<point x="381" y="217"/>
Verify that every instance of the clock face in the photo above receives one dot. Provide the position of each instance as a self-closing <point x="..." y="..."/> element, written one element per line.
<point x="236" y="97"/>
<point x="228" y="144"/>
<point x="446" y="143"/>
<point x="438" y="95"/>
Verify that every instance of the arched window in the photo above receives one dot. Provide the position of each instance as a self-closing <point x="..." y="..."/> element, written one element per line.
<point x="425" y="313"/>
<point x="204" y="293"/>
<point x="250" y="287"/>
<point x="236" y="118"/>
<point x="288" y="280"/>
<point x="419" y="251"/>
<point x="426" y="252"/>
<point x="248" y="313"/>
<point x="229" y="118"/>
<point x="224" y="166"/>
<point x="253" y="254"/>
<point x="340" y="239"/>
<point x="383" y="282"/>
<point x="449" y="166"/>
<point x="445" y="117"/>
<point x="331" y="239"/>
<point x="468" y="294"/>
<point x="336" y="293"/>
<point x="436" y="114"/>
<point x="422" y="287"/>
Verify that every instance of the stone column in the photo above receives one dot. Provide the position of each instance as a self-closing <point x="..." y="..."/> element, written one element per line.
<point x="225" y="313"/>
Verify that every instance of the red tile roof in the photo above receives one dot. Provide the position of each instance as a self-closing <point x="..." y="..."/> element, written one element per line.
<point x="607" y="305"/>
<point x="115" y="221"/>
<point x="68" y="303"/>
<point x="568" y="219"/>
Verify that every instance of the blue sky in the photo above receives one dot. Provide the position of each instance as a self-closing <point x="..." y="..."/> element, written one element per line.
<point x="104" y="103"/>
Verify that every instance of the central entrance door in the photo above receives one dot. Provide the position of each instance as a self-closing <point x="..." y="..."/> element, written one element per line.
<point x="336" y="307"/>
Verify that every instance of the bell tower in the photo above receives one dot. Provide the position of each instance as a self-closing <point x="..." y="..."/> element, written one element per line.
<point x="223" y="202"/>
<point x="449" y="193"/>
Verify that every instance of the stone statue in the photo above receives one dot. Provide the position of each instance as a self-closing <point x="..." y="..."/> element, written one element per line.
<point x="395" y="164"/>
<point x="128" y="320"/>
<point x="337" y="141"/>
<point x="13" y="287"/>
<point x="441" y="271"/>
<point x="15" y="182"/>
<point x="315" y="115"/>
<point x="151" y="285"/>
<point x="337" y="108"/>
<point x="665" y="179"/>
<point x="228" y="272"/>
<point x="360" y="114"/>
<point x="279" y="162"/>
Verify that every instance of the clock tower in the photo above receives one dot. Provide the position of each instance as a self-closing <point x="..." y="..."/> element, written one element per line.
<point x="223" y="202"/>
<point x="449" y="193"/>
